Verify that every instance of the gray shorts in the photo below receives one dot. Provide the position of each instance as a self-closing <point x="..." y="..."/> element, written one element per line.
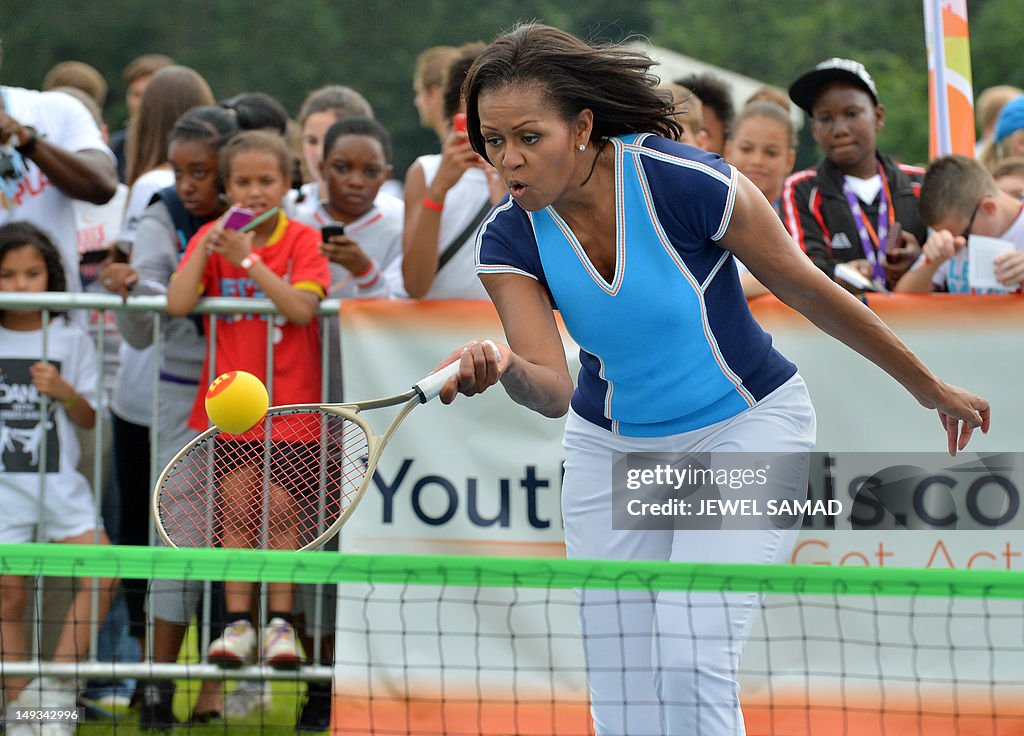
<point x="310" y="598"/>
<point x="176" y="601"/>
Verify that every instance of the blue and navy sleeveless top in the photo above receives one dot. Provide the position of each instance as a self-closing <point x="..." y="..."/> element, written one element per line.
<point x="669" y="345"/>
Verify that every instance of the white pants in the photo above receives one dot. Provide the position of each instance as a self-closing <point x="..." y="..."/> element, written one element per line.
<point x="663" y="663"/>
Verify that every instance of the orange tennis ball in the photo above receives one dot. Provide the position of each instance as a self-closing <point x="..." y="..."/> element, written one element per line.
<point x="236" y="401"/>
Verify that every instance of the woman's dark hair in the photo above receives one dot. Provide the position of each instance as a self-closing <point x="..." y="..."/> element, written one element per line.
<point x="211" y="123"/>
<point x="713" y="93"/>
<point x="20" y="233"/>
<point x="258" y="111"/>
<point x="254" y="140"/>
<point x="451" y="96"/>
<point x="613" y="82"/>
<point x="358" y="125"/>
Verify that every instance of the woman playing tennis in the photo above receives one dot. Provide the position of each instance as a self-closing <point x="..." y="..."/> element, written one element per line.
<point x="630" y="236"/>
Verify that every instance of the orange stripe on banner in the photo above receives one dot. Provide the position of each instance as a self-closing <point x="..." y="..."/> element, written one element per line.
<point x="932" y="716"/>
<point x="970" y="714"/>
<point x="961" y="133"/>
<point x="999" y="312"/>
<point x="933" y="134"/>
<point x="436" y="545"/>
<point x="412" y="314"/>
<point x="953" y="25"/>
<point x="433" y="718"/>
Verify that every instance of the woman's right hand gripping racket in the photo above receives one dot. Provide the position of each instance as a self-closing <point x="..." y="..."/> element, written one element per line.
<point x="290" y="482"/>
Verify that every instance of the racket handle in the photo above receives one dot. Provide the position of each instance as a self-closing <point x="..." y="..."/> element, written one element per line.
<point x="430" y="387"/>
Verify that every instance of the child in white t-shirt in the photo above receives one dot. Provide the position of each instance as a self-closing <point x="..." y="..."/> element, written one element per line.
<point x="366" y="251"/>
<point x="361" y="226"/>
<point x="49" y="385"/>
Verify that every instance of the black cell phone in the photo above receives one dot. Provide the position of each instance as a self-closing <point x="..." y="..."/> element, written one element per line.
<point x="329" y="231"/>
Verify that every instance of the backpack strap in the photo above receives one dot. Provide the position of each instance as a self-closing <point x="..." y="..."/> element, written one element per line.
<point x="459" y="240"/>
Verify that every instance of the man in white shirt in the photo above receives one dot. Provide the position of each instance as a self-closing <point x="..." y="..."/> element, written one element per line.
<point x="51" y="153"/>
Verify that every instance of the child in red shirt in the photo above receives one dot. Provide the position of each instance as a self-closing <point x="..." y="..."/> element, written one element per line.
<point x="279" y="259"/>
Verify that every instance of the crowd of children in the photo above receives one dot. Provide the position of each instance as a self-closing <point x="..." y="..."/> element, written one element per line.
<point x="351" y="232"/>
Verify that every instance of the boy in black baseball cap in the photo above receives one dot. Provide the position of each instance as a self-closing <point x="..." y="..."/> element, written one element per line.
<point x="804" y="90"/>
<point x="858" y="205"/>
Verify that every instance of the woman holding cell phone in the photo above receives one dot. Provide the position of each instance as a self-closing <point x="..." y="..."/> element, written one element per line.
<point x="447" y="196"/>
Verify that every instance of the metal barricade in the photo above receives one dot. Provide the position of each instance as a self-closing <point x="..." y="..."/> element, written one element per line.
<point x="99" y="306"/>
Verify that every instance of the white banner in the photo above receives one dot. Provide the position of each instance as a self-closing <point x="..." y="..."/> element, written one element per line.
<point x="482" y="477"/>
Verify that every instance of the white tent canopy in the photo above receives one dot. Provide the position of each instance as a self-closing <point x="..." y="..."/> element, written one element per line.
<point x="671" y="66"/>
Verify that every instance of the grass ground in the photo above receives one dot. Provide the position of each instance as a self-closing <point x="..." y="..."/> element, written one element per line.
<point x="279" y="718"/>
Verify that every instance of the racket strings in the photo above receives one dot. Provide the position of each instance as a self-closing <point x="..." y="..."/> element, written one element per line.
<point x="280" y="485"/>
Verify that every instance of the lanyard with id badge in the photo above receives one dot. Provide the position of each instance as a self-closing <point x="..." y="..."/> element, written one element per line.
<point x="875" y="242"/>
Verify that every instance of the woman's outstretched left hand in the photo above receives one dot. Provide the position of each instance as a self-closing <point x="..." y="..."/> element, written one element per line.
<point x="960" y="413"/>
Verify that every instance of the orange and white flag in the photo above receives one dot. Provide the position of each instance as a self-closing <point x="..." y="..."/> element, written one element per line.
<point x="950" y="93"/>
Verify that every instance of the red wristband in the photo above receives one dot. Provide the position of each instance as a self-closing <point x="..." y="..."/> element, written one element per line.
<point x="432" y="205"/>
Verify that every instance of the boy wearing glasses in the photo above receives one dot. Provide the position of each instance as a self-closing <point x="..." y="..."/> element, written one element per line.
<point x="960" y="198"/>
<point x="858" y="206"/>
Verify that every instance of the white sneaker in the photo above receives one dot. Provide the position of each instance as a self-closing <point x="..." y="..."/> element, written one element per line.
<point x="280" y="646"/>
<point x="57" y="729"/>
<point x="28" y="698"/>
<point x="45" y="693"/>
<point x="236" y="647"/>
<point x="23" y="728"/>
<point x="247" y="698"/>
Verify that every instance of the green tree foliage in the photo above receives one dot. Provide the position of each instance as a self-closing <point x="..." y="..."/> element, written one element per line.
<point x="996" y="53"/>
<point x="285" y="48"/>
<point x="777" y="41"/>
<point x="289" y="47"/>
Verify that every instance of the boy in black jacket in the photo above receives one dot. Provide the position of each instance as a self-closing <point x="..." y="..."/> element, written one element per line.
<point x="858" y="206"/>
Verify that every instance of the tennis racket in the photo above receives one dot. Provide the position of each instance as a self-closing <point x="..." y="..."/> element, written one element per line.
<point x="290" y="482"/>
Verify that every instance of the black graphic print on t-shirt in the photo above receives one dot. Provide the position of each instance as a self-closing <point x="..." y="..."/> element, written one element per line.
<point x="21" y="431"/>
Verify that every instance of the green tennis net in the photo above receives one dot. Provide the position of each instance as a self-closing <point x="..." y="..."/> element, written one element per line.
<point x="481" y="645"/>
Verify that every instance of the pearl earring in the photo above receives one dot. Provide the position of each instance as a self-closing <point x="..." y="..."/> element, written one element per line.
<point x="582" y="147"/>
